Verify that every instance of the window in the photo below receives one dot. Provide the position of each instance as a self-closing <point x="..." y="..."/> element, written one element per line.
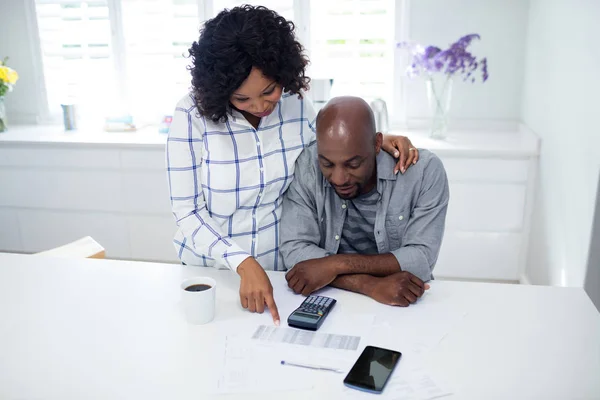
<point x="157" y="35"/>
<point x="130" y="56"/>
<point x="285" y="8"/>
<point x="77" y="52"/>
<point x="352" y="42"/>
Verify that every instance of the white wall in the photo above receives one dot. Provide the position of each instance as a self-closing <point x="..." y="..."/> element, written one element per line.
<point x="27" y="100"/>
<point x="502" y="26"/>
<point x="561" y="103"/>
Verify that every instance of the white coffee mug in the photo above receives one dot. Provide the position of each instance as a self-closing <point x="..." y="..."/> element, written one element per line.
<point x="199" y="306"/>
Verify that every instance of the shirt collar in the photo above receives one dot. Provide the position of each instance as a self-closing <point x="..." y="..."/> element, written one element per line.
<point x="238" y="118"/>
<point x="385" y="168"/>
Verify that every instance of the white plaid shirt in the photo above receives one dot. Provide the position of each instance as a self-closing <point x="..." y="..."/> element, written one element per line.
<point x="227" y="181"/>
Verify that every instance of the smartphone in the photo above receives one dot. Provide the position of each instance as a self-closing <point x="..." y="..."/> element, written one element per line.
<point x="372" y="370"/>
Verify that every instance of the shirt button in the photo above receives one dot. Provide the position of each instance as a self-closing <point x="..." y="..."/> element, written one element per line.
<point x="401" y="218"/>
<point x="261" y="169"/>
<point x="344" y="206"/>
<point x="337" y="237"/>
<point x="257" y="144"/>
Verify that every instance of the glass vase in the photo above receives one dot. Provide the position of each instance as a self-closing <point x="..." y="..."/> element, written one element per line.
<point x="439" y="93"/>
<point x="2" y="115"/>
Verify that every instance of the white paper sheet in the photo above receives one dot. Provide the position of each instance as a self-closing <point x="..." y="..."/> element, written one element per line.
<point x="250" y="368"/>
<point x="416" y="384"/>
<point x="273" y="334"/>
<point x="418" y="329"/>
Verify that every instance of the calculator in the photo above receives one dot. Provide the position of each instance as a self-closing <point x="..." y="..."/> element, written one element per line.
<point x="311" y="313"/>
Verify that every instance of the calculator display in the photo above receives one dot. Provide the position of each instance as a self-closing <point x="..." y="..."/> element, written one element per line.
<point x="307" y="316"/>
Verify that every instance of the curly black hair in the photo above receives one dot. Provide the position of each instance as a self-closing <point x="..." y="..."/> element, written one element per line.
<point x="231" y="44"/>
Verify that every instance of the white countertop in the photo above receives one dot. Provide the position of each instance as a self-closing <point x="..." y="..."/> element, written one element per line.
<point x="56" y="135"/>
<point x="99" y="329"/>
<point x="474" y="143"/>
<point x="520" y="143"/>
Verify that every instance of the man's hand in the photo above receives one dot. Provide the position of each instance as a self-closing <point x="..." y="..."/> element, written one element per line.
<point x="399" y="289"/>
<point x="311" y="275"/>
<point x="256" y="289"/>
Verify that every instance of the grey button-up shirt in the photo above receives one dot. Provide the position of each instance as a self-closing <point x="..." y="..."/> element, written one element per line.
<point x="410" y="215"/>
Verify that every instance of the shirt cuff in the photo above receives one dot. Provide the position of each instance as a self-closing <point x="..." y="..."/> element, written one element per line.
<point x="414" y="261"/>
<point x="234" y="259"/>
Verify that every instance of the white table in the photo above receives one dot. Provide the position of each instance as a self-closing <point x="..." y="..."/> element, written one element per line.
<point x="99" y="329"/>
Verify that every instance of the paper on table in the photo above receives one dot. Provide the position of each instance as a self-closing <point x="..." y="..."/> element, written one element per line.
<point x="249" y="365"/>
<point x="416" y="384"/>
<point x="418" y="329"/>
<point x="249" y="368"/>
<point x="306" y="338"/>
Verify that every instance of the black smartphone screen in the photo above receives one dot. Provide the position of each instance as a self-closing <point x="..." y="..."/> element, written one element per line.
<point x="373" y="368"/>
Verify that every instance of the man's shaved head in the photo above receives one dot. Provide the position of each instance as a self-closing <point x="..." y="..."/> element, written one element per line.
<point x="346" y="110"/>
<point x="348" y="144"/>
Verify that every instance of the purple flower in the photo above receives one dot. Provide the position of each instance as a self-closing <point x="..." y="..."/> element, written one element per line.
<point x="455" y="60"/>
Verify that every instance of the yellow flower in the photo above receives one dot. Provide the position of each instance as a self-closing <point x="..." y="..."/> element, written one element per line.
<point x="8" y="75"/>
<point x="12" y="76"/>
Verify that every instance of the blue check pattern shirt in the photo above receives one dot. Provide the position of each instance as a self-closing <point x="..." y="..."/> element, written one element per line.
<point x="227" y="181"/>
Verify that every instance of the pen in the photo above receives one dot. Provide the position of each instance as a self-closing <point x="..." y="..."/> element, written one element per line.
<point x="310" y="366"/>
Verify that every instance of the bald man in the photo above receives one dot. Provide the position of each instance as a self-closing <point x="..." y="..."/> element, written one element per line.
<point x="348" y="221"/>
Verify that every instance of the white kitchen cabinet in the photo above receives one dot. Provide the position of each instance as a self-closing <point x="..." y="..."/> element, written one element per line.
<point x="492" y="178"/>
<point x="56" y="187"/>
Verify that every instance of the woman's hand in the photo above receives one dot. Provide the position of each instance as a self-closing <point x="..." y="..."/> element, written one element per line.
<point x="400" y="146"/>
<point x="255" y="289"/>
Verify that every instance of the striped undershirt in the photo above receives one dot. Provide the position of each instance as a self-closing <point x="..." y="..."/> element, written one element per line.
<point x="358" y="232"/>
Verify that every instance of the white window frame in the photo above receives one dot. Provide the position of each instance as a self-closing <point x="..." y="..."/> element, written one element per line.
<point x="399" y="119"/>
<point x="206" y="11"/>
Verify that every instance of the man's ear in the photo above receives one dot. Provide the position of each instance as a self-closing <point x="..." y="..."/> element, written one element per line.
<point x="378" y="142"/>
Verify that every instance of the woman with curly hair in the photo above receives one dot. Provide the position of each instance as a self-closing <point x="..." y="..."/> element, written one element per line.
<point x="233" y="144"/>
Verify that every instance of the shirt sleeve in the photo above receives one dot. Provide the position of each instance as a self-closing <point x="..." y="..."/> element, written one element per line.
<point x="300" y="233"/>
<point x="310" y="117"/>
<point x="202" y="234"/>
<point x="423" y="235"/>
